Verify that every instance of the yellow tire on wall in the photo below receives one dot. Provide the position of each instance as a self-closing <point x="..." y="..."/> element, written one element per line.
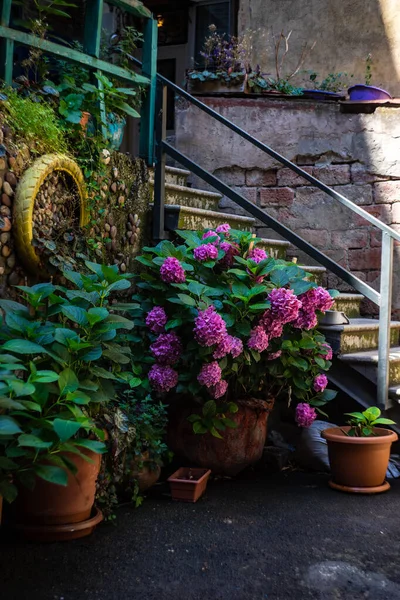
<point x="24" y="203"/>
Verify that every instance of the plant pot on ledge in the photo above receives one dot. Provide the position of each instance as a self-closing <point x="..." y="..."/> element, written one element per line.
<point x="188" y="484"/>
<point x="238" y="448"/>
<point x="363" y="93"/>
<point x="359" y="464"/>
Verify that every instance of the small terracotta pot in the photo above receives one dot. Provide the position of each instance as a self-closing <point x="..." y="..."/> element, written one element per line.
<point x="188" y="484"/>
<point x="84" y="120"/>
<point x="359" y="464"/>
<point x="146" y="474"/>
<point x="52" y="504"/>
<point x="238" y="447"/>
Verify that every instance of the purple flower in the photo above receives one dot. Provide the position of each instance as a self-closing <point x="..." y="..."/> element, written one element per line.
<point x="167" y="348"/>
<point x="219" y="389"/>
<point x="305" y="414"/>
<point x="172" y="271"/>
<point x="272" y="326"/>
<point x="210" y="328"/>
<point x="316" y="299"/>
<point x="206" y="252"/>
<point x="162" y="378"/>
<point x="156" y="319"/>
<point x="257" y="255"/>
<point x="320" y="382"/>
<point x="228" y="345"/>
<point x="274" y="355"/>
<point x="224" y="228"/>
<point x="284" y="305"/>
<point x="210" y="374"/>
<point x="230" y="251"/>
<point x="236" y="346"/>
<point x="211" y="233"/>
<point x="258" y="339"/>
<point x="326" y="351"/>
<point x="307" y="319"/>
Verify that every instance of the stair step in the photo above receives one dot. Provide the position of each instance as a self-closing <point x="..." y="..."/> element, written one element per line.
<point x="173" y="175"/>
<point x="349" y="304"/>
<point x="360" y="334"/>
<point x="186" y="196"/>
<point x="274" y="248"/>
<point x="316" y="273"/>
<point x="366" y="363"/>
<point x="196" y="219"/>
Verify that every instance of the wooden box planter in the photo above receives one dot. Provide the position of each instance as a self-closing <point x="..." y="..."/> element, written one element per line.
<point x="187" y="484"/>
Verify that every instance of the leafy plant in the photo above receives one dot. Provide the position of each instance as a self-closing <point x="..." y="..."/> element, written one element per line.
<point x="333" y="82"/>
<point x="362" y="424"/>
<point x="368" y="69"/>
<point x="210" y="319"/>
<point x="61" y="357"/>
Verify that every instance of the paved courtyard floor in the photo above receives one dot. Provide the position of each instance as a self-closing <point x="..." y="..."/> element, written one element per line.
<point x="261" y="537"/>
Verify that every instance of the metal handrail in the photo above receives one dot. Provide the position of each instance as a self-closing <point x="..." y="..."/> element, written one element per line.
<point x="382" y="299"/>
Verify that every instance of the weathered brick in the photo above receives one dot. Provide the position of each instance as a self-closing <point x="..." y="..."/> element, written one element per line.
<point x="387" y="192"/>
<point x="261" y="177"/>
<point x="333" y="174"/>
<point x="231" y="175"/>
<point x="279" y="196"/>
<point x="228" y="204"/>
<point x="375" y="238"/>
<point x="359" y="194"/>
<point x="287" y="177"/>
<point x="366" y="259"/>
<point x="316" y="237"/>
<point x="354" y="238"/>
<point x="383" y="212"/>
<point x="360" y="175"/>
<point x="396" y="213"/>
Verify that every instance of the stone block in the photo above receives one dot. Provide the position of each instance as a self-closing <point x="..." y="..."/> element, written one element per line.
<point x="387" y="192"/>
<point x="260" y="177"/>
<point x="276" y="196"/>
<point x="359" y="194"/>
<point x="360" y="174"/>
<point x="365" y="259"/>
<point x="287" y="177"/>
<point x="375" y="238"/>
<point x="316" y="237"/>
<point x="228" y="204"/>
<point x="333" y="174"/>
<point x="350" y="239"/>
<point x="231" y="175"/>
<point x="383" y="212"/>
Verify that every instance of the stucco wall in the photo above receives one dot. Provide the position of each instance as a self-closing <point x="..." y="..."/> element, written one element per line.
<point x="345" y="32"/>
<point x="357" y="154"/>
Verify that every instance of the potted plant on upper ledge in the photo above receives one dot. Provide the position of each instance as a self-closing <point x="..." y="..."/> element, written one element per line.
<point x="368" y="92"/>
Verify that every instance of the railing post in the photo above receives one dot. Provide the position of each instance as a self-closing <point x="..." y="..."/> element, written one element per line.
<point x="149" y="69"/>
<point x="385" y="310"/>
<point x="6" y="46"/>
<point x="159" y="171"/>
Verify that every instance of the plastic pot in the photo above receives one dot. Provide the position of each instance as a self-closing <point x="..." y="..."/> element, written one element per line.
<point x="367" y="92"/>
<point x="188" y="484"/>
<point x="358" y="464"/>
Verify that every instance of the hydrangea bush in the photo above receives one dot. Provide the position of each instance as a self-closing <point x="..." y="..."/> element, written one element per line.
<point x="223" y="321"/>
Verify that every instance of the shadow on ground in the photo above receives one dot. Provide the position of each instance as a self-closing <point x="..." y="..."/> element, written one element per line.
<point x="281" y="537"/>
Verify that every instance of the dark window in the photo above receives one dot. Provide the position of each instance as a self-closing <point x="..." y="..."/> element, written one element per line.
<point x="212" y="13"/>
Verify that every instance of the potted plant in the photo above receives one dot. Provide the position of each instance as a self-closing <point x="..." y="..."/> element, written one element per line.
<point x="363" y="93"/>
<point x="226" y="331"/>
<point x="60" y="360"/>
<point x="188" y="484"/>
<point x="359" y="453"/>
<point x="330" y="88"/>
<point x="223" y="70"/>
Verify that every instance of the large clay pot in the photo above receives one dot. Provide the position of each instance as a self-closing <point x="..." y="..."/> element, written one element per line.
<point x="239" y="447"/>
<point x="52" y="504"/>
<point x="359" y="464"/>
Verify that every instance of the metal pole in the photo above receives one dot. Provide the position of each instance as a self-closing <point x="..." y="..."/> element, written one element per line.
<point x="159" y="171"/>
<point x="385" y="310"/>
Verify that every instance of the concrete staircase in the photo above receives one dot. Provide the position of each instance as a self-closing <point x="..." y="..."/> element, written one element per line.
<point x="354" y="345"/>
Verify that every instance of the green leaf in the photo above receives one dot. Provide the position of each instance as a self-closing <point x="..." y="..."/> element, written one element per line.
<point x="198" y="427"/>
<point x="8" y="490"/>
<point x="260" y="306"/>
<point x="307" y="343"/>
<point x="384" y="421"/>
<point x="279" y="277"/>
<point x="7" y="463"/>
<point x="93" y="445"/>
<point x="118" y="286"/>
<point x="62" y="335"/>
<point x="78" y="397"/>
<point x="328" y="395"/>
<point x="33" y="441"/>
<point x="75" y="314"/>
<point x="188" y="300"/>
<point x="372" y="413"/>
<point x="215" y="433"/>
<point x="119" y="322"/>
<point x="52" y="474"/>
<point x="243" y="328"/>
<point x="68" y="381"/>
<point x="45" y="376"/>
<point x="196" y="288"/>
<point x="173" y="323"/>
<point x="209" y="409"/>
<point x="65" y="429"/>
<point x="117" y="357"/>
<point x="23" y="347"/>
<point x="20" y="388"/>
<point x="97" y="314"/>
<point x="229" y="423"/>
<point x="8" y="425"/>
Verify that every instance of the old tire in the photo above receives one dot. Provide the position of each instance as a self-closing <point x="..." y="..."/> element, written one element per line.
<point x="25" y="197"/>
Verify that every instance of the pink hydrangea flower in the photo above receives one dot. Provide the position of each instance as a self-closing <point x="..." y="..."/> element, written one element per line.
<point x="167" y="348"/>
<point x="224" y="228"/>
<point x="307" y="319"/>
<point x="210" y="328"/>
<point x="212" y="234"/>
<point x="172" y="271"/>
<point x="230" y="251"/>
<point x="305" y="414"/>
<point x="258" y="339"/>
<point x="162" y="378"/>
<point x="210" y="374"/>
<point x="320" y="382"/>
<point x="273" y="326"/>
<point x="284" y="305"/>
<point x="156" y="319"/>
<point x="219" y="389"/>
<point x="316" y="299"/>
<point x="257" y="255"/>
<point x="326" y="351"/>
<point x="236" y="347"/>
<point x="228" y="345"/>
<point x="205" y="252"/>
<point x="274" y="355"/>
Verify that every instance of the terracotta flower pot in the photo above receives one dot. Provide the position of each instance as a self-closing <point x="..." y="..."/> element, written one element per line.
<point x="52" y="504"/>
<point x="359" y="464"/>
<point x="239" y="447"/>
<point x="188" y="484"/>
<point x="144" y="471"/>
<point x="84" y="120"/>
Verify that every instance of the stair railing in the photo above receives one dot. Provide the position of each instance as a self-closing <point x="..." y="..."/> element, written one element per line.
<point x="383" y="298"/>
